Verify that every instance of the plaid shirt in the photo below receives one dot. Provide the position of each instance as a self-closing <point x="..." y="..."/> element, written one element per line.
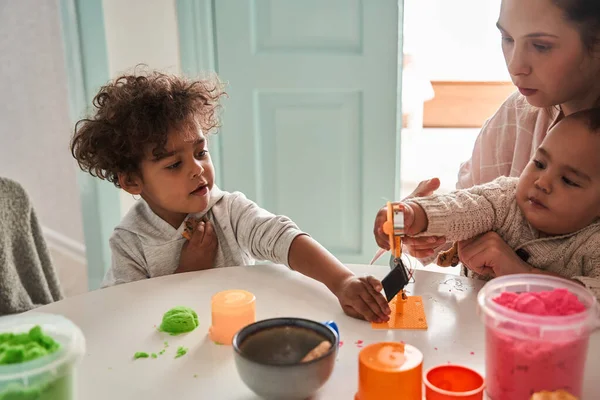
<point x="506" y="142"/>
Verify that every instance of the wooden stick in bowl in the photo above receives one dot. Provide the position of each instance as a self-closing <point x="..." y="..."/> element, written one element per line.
<point x="318" y="351"/>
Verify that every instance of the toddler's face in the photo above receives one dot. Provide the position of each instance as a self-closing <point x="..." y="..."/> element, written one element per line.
<point x="179" y="181"/>
<point x="559" y="190"/>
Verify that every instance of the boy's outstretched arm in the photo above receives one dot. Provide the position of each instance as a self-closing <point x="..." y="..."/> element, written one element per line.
<point x="359" y="297"/>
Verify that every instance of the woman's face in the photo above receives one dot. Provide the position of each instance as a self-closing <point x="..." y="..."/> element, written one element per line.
<point x="546" y="57"/>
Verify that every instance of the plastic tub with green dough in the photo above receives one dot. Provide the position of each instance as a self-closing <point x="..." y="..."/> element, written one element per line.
<point x="38" y="357"/>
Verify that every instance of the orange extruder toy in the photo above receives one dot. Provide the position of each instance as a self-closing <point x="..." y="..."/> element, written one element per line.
<point x="407" y="311"/>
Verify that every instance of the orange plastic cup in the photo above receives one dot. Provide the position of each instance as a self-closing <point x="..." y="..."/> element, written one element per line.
<point x="390" y="369"/>
<point x="453" y="382"/>
<point x="231" y="311"/>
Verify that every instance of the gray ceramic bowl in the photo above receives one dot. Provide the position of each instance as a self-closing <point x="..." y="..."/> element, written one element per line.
<point x="268" y="353"/>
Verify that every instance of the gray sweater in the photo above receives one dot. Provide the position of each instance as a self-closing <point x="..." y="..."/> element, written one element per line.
<point x="492" y="206"/>
<point x="27" y="276"/>
<point x="144" y="245"/>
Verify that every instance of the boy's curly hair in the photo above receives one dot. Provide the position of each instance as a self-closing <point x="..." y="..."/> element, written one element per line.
<point x="136" y="112"/>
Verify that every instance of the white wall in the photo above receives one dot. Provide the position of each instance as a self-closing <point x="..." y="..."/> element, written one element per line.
<point x="140" y="32"/>
<point x="455" y="40"/>
<point x="35" y="127"/>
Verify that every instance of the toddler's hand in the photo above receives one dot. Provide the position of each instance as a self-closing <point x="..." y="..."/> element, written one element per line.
<point x="415" y="222"/>
<point x="361" y="298"/>
<point x="200" y="251"/>
<point x="489" y="255"/>
<point x="419" y="247"/>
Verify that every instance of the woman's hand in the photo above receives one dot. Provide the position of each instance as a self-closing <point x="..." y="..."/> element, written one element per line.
<point x="489" y="255"/>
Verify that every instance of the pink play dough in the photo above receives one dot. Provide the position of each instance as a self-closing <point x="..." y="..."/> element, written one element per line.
<point x="517" y="367"/>
<point x="556" y="302"/>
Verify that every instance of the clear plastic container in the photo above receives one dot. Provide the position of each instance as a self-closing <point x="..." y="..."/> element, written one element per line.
<point x="47" y="378"/>
<point x="530" y="353"/>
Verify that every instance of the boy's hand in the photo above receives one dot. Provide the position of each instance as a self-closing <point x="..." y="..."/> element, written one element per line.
<point x="200" y="251"/>
<point x="415" y="222"/>
<point x="361" y="298"/>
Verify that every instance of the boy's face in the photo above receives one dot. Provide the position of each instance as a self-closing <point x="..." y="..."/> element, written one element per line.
<point x="179" y="181"/>
<point x="559" y="190"/>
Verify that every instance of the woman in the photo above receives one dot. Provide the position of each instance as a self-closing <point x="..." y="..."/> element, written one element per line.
<point x="552" y="52"/>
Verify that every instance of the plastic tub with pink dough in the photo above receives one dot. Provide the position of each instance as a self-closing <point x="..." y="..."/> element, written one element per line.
<point x="529" y="351"/>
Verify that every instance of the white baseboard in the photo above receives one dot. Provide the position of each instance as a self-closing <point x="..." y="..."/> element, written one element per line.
<point x="65" y="245"/>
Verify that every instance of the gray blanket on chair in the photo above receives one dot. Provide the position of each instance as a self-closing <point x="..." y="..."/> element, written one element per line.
<point x="27" y="276"/>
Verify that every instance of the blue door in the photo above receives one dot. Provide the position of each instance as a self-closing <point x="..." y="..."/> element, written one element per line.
<point x="309" y="128"/>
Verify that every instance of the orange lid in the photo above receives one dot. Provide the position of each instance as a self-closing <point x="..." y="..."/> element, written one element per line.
<point x="452" y="382"/>
<point x="389" y="367"/>
<point x="232" y="299"/>
<point x="384" y="356"/>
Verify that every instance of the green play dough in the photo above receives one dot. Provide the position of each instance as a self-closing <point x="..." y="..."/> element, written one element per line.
<point x="16" y="348"/>
<point x="140" y="354"/>
<point x="179" y="320"/>
<point x="181" y="351"/>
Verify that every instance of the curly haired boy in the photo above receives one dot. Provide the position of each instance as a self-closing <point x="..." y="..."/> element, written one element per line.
<point x="149" y="135"/>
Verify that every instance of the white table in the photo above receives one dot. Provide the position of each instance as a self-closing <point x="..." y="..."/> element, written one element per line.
<point x="121" y="320"/>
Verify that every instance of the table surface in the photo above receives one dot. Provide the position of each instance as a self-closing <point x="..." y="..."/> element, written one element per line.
<point x="121" y="320"/>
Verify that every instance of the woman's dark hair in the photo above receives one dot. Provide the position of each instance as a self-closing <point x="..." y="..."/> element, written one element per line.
<point x="585" y="14"/>
<point x="590" y="117"/>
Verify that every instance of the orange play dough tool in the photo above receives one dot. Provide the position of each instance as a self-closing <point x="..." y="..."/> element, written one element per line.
<point x="388" y="229"/>
<point x="231" y="311"/>
<point x="406" y="314"/>
<point x="390" y="370"/>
